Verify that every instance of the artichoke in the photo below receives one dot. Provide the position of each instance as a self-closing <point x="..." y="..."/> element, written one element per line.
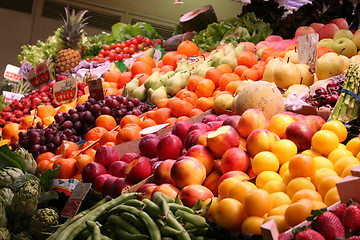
<point x="25" y="201"/>
<point x="8" y="175"/>
<point x="3" y="218"/>
<point x="4" y="234"/>
<point x="42" y="223"/>
<point x="23" y="236"/>
<point x="28" y="159"/>
<point x="6" y="196"/>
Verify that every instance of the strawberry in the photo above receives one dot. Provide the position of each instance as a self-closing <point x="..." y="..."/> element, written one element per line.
<point x="353" y="238"/>
<point x="339" y="210"/>
<point x="309" y="234"/>
<point x="329" y="225"/>
<point x="285" y="236"/>
<point x="351" y="218"/>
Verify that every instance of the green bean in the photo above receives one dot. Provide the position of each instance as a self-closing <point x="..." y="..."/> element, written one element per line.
<point x="172" y="222"/>
<point x="124" y="235"/>
<point x="135" y="203"/>
<point x="158" y="198"/>
<point x="191" y="218"/>
<point x="174" y="207"/>
<point x="152" y="208"/>
<point x="138" y="223"/>
<point x="121" y="222"/>
<point x="197" y="205"/>
<point x="97" y="233"/>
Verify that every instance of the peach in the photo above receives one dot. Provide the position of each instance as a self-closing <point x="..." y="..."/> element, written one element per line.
<point x="168" y="189"/>
<point x="118" y="186"/>
<point x="191" y="194"/>
<point x="328" y="31"/>
<point x="211" y="181"/>
<point x="233" y="174"/>
<point x="162" y="173"/>
<point x="117" y="169"/>
<point x="147" y="189"/>
<point x="250" y="120"/>
<point x="315" y="122"/>
<point x="301" y="134"/>
<point x="169" y="147"/>
<point x="181" y="128"/>
<point x="222" y="139"/>
<point x="316" y="26"/>
<point x="138" y="169"/>
<point x="91" y="171"/>
<point x="203" y="154"/>
<point x="99" y="181"/>
<point x="232" y="121"/>
<point x="188" y="170"/>
<point x="192" y="137"/>
<point x="148" y="145"/>
<point x="260" y="140"/>
<point x="215" y="125"/>
<point x="128" y="157"/>
<point x="279" y="122"/>
<point x="235" y="159"/>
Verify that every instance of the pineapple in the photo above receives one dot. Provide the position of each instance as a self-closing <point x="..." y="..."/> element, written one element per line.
<point x="71" y="35"/>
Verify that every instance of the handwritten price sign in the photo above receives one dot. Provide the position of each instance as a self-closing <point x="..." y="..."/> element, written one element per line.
<point x="65" y="91"/>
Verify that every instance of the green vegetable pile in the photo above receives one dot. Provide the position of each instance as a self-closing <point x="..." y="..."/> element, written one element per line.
<point x="246" y="28"/>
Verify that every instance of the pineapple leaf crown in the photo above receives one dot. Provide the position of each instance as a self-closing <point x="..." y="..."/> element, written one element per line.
<point x="72" y="28"/>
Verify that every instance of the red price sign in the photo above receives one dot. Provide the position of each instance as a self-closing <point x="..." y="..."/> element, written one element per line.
<point x="65" y="90"/>
<point x="39" y="75"/>
<point x="96" y="89"/>
<point x="65" y="95"/>
<point x="12" y="73"/>
<point x="40" y="79"/>
<point x="71" y="208"/>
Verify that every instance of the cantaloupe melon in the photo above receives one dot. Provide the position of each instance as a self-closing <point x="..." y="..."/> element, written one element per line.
<point x="262" y="95"/>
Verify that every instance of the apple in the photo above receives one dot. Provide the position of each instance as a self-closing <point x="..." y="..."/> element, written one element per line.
<point x="307" y="77"/>
<point x="138" y="169"/>
<point x="346" y="33"/>
<point x="91" y="171"/>
<point x="329" y="65"/>
<point x="325" y="42"/>
<point x="128" y="157"/>
<point x="215" y="125"/>
<point x="279" y="122"/>
<point x="107" y="185"/>
<point x="282" y="45"/>
<point x="235" y="159"/>
<point x="169" y="147"/>
<point x="222" y="139"/>
<point x="209" y="118"/>
<point x="341" y="23"/>
<point x="328" y="31"/>
<point x="162" y="173"/>
<point x="249" y="46"/>
<point x="118" y="186"/>
<point x="192" y="138"/>
<point x="99" y="181"/>
<point x="356" y="38"/>
<point x="191" y="194"/>
<point x="345" y="46"/>
<point x="181" y="129"/>
<point x="300" y="133"/>
<point x="232" y="121"/>
<point x="260" y="140"/>
<point x="188" y="170"/>
<point x="106" y="155"/>
<point x="233" y="174"/>
<point x="304" y="30"/>
<point x="203" y="154"/>
<point x="222" y="117"/>
<point x="211" y="181"/>
<point x="250" y="120"/>
<point x="117" y="168"/>
<point x="148" y="145"/>
<point x="273" y="38"/>
<point x="316" y="26"/>
<point x="168" y="189"/>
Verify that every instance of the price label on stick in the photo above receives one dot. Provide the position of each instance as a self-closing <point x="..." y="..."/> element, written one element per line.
<point x="73" y="204"/>
<point x="39" y="75"/>
<point x="65" y="91"/>
<point x="95" y="88"/>
<point x="12" y="73"/>
<point x="307" y="49"/>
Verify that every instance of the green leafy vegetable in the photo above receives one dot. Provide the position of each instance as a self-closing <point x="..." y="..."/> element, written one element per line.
<point x="10" y="159"/>
<point x="47" y="177"/>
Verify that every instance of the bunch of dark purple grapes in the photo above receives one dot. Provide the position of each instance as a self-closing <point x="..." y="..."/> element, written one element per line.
<point x="74" y="124"/>
<point x="327" y="96"/>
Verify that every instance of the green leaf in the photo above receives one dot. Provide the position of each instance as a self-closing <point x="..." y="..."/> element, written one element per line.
<point x="10" y="159"/>
<point x="45" y="197"/>
<point x="19" y="182"/>
<point x="47" y="177"/>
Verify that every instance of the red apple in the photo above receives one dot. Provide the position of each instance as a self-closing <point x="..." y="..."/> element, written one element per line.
<point x="250" y="120"/>
<point x="203" y="154"/>
<point x="301" y="134"/>
<point x="222" y="117"/>
<point x="148" y="145"/>
<point x="99" y="181"/>
<point x="162" y="173"/>
<point x="187" y="171"/>
<point x="341" y="23"/>
<point x="215" y="125"/>
<point x="211" y="181"/>
<point x="116" y="169"/>
<point x="180" y="129"/>
<point x="191" y="194"/>
<point x="107" y="186"/>
<point x="232" y="120"/>
<point x="169" y="147"/>
<point x="168" y="189"/>
<point x="234" y="174"/>
<point x="91" y="171"/>
<point x="328" y="31"/>
<point x="128" y="157"/>
<point x="235" y="159"/>
<point x="192" y="138"/>
<point x="222" y="139"/>
<point x="316" y="26"/>
<point x="118" y="186"/>
<point x="138" y="169"/>
<point x="260" y="140"/>
<point x="209" y="118"/>
<point x="106" y="155"/>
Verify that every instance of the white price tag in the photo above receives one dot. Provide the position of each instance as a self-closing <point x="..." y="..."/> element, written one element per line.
<point x="10" y="96"/>
<point x="12" y="73"/>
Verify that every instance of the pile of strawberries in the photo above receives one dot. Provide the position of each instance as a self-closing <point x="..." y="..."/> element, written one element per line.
<point x="342" y="222"/>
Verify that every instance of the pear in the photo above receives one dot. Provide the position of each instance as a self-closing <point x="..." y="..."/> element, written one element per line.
<point x="230" y="50"/>
<point x="294" y="88"/>
<point x="307" y="78"/>
<point x="182" y="65"/>
<point x="164" y="77"/>
<point x="217" y="56"/>
<point x="153" y="81"/>
<point x="286" y="74"/>
<point x="157" y="94"/>
<point x="230" y="60"/>
<point x="150" y="52"/>
<point x="175" y="83"/>
<point x="292" y="56"/>
<point x="269" y="69"/>
<point x="130" y="87"/>
<point x="140" y="93"/>
<point x="239" y="49"/>
<point x="329" y="65"/>
<point x="202" y="68"/>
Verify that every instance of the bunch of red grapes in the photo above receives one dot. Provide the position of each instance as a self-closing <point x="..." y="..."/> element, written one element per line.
<point x="120" y="51"/>
<point x="74" y="124"/>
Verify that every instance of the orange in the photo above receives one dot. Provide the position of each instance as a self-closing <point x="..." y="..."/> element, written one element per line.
<point x="48" y="120"/>
<point x="141" y="67"/>
<point x="142" y="77"/>
<point x="265" y="161"/>
<point x="94" y="145"/>
<point x="180" y="108"/>
<point x="10" y="130"/>
<point x="45" y="111"/>
<point x="29" y="121"/>
<point x="106" y="85"/>
<point x="204" y="103"/>
<point x="252" y="225"/>
<point x="171" y="120"/>
<point x="147" y="123"/>
<point x="182" y="118"/>
<point x="106" y="121"/>
<point x="250" y="74"/>
<point x="266" y="53"/>
<point x="322" y="50"/>
<point x="353" y="145"/>
<point x="188" y="48"/>
<point x="205" y="88"/>
<point x="194" y="112"/>
<point x="133" y="125"/>
<point x="239" y="190"/>
<point x="45" y="156"/>
<point x="189" y="96"/>
<point x="110" y="91"/>
<point x="227" y="78"/>
<point x="308" y="194"/>
<point x="124" y="78"/>
<point x="67" y="167"/>
<point x="193" y="81"/>
<point x="181" y="92"/>
<point x="257" y="202"/>
<point x="63" y="108"/>
<point x="162" y="102"/>
<point x="224" y="68"/>
<point x="160" y="115"/>
<point x="230" y="214"/>
<point x="214" y="75"/>
<point x="149" y="114"/>
<point x="148" y="59"/>
<point x="67" y="148"/>
<point x="247" y="58"/>
<point x="91" y="152"/>
<point x="112" y="76"/>
<point x="171" y="58"/>
<point x="302" y="165"/>
<point x="324" y="141"/>
<point x="166" y="68"/>
<point x="232" y="86"/>
<point x="259" y="68"/>
<point x="337" y="127"/>
<point x="82" y="160"/>
<point x="297" y="184"/>
<point x="95" y="133"/>
<point x="129" y="119"/>
<point x="44" y="165"/>
<point x="298" y="211"/>
<point x="239" y="69"/>
<point x="127" y="134"/>
<point x="108" y="137"/>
